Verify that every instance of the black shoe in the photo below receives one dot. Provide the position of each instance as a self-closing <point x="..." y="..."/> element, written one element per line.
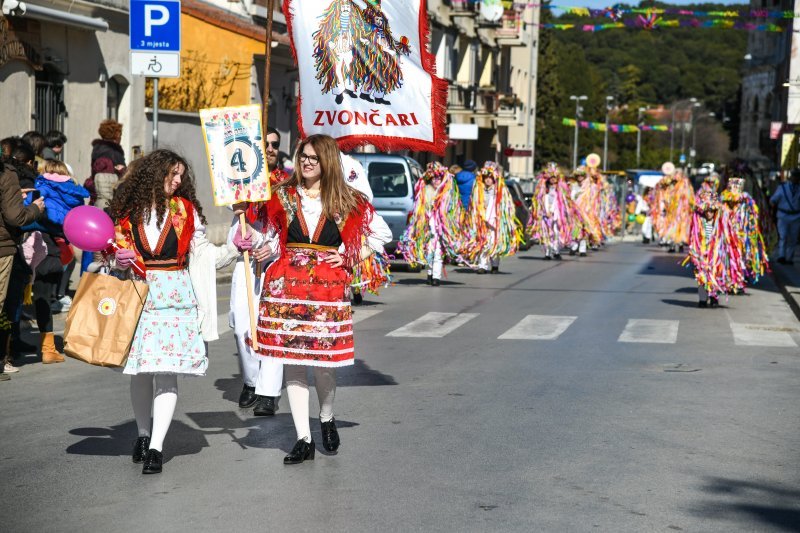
<point x="789" y="262"/>
<point x="365" y="96"/>
<point x="557" y="257"/>
<point x="350" y="93"/>
<point x="495" y="270"/>
<point x="436" y="282"/>
<point x="339" y="98"/>
<point x="714" y="302"/>
<point x="330" y="437"/>
<point x="430" y="279"/>
<point x="572" y="252"/>
<point x="702" y="305"/>
<point x="265" y="406"/>
<point x="140" y="448"/>
<point x="152" y="462"/>
<point x="357" y="298"/>
<point x="547" y="258"/>
<point x="482" y="271"/>
<point x="645" y="241"/>
<point x="382" y="101"/>
<point x="582" y="254"/>
<point x="782" y="260"/>
<point x="248" y="397"/>
<point x="302" y="451"/>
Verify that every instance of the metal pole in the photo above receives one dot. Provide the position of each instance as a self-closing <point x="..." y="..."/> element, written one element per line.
<point x="155" y="113"/>
<point x="575" y="144"/>
<point x="605" y="137"/>
<point x="267" y="67"/>
<point x="672" y="134"/>
<point x="639" y="139"/>
<point x="532" y="80"/>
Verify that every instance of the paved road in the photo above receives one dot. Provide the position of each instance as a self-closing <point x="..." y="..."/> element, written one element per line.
<point x="582" y="395"/>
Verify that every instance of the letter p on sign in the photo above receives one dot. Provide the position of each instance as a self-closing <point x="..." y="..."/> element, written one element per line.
<point x="154" y="15"/>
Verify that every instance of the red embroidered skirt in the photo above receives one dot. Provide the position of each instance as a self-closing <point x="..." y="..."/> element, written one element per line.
<point x="304" y="313"/>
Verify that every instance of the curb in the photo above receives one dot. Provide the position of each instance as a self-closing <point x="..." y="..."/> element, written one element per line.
<point x="787" y="278"/>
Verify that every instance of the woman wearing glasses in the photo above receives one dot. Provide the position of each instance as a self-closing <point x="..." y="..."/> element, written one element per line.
<point x="318" y="225"/>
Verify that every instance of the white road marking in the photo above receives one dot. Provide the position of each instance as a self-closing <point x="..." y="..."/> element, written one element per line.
<point x="653" y="331"/>
<point x="433" y="325"/>
<point x="762" y="335"/>
<point x="539" y="327"/>
<point x="363" y="314"/>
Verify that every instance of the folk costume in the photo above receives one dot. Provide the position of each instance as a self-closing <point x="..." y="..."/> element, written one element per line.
<point x="557" y="222"/>
<point x="674" y="204"/>
<point x="381" y="55"/>
<point x="586" y="195"/>
<point x="305" y="318"/>
<point x="491" y="216"/>
<point x="610" y="216"/>
<point x="263" y="379"/>
<point x="339" y="71"/>
<point x="434" y="224"/>
<point x="179" y="314"/>
<point x="744" y="216"/>
<point x="714" y="250"/>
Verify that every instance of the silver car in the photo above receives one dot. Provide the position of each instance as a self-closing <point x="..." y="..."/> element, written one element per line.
<point x="392" y="179"/>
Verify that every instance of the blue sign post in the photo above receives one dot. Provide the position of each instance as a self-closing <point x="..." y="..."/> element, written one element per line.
<point x="155" y="43"/>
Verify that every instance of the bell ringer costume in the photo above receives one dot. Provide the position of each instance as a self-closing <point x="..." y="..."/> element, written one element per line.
<point x="672" y="213"/>
<point x="745" y="219"/>
<point x="434" y="232"/>
<point x="557" y="221"/>
<point x="492" y="219"/>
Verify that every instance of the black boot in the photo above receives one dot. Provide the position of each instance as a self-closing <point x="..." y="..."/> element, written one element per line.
<point x="365" y="96"/>
<point x="140" y="448"/>
<point x="339" y="98"/>
<point x="248" y="397"/>
<point x="330" y="436"/>
<point x="152" y="462"/>
<point x="436" y="282"/>
<point x="302" y="451"/>
<point x="430" y="279"/>
<point x="350" y="93"/>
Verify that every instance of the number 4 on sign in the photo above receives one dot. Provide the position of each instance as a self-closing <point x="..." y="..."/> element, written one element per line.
<point x="237" y="161"/>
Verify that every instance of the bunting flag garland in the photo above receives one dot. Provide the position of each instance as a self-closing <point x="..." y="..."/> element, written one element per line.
<point x="615" y="128"/>
<point x="366" y="74"/>
<point x="651" y="23"/>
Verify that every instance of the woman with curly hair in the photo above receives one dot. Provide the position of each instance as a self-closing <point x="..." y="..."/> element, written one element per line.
<point x="316" y="223"/>
<point x="160" y="225"/>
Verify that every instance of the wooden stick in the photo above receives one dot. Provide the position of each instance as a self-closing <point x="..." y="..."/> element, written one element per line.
<point x="267" y="65"/>
<point x="248" y="277"/>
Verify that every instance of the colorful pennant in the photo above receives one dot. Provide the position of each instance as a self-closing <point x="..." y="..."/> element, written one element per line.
<point x="615" y="128"/>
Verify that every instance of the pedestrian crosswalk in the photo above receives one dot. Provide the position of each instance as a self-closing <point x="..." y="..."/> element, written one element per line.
<point x="436" y="324"/>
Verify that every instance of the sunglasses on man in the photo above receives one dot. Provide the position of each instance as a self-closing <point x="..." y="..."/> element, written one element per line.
<point x="274" y="144"/>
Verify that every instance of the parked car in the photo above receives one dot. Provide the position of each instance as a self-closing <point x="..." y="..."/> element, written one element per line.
<point x="521" y="210"/>
<point x="392" y="179"/>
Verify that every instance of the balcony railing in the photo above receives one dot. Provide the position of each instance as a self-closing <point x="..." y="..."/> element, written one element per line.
<point x="510" y="25"/>
<point x="463" y="6"/>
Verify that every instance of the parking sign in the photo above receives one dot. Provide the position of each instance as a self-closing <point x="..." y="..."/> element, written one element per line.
<point x="155" y="25"/>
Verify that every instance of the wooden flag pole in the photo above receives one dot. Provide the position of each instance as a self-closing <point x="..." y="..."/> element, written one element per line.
<point x="248" y="274"/>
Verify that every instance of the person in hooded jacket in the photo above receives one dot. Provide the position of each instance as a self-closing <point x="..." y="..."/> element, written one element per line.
<point x="465" y="180"/>
<point x="61" y="194"/>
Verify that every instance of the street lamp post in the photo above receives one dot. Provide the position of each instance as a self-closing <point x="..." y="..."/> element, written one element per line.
<point x="639" y="136"/>
<point x="691" y="124"/>
<point x="683" y="130"/>
<point x="695" y="120"/>
<point x="578" y="100"/>
<point x="672" y="134"/>
<point x="609" y="99"/>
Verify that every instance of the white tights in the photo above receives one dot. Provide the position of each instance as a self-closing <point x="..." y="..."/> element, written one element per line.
<point x="296" y="377"/>
<point x="162" y="404"/>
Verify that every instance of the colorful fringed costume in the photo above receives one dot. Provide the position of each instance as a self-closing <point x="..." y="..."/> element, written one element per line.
<point x="380" y="53"/>
<point x="341" y="27"/>
<point x="714" y="249"/>
<point x="744" y="215"/>
<point x="609" y="213"/>
<point x="672" y="214"/>
<point x="434" y="230"/>
<point x="491" y="217"/>
<point x="586" y="194"/>
<point x="557" y="221"/>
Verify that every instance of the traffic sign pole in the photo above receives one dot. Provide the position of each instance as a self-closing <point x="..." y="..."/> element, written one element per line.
<point x="155" y="113"/>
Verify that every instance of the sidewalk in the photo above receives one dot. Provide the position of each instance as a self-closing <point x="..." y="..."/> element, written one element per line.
<point x="787" y="277"/>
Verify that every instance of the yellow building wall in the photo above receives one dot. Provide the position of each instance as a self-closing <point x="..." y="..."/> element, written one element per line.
<point x="215" y="68"/>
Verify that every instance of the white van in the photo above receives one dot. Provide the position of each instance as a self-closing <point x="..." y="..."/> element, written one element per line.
<point x="392" y="179"/>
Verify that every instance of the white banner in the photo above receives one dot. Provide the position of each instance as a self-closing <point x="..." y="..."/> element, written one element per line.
<point x="366" y="75"/>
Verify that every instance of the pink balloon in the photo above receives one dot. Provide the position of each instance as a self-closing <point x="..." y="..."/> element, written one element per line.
<point x="88" y="228"/>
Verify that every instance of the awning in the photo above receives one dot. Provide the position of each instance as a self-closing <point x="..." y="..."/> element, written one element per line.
<point x="62" y="17"/>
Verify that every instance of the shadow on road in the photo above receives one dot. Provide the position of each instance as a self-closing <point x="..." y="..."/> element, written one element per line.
<point x="423" y="281"/>
<point x="771" y="504"/>
<point x="680" y="303"/>
<point x="118" y="440"/>
<point x="361" y="375"/>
